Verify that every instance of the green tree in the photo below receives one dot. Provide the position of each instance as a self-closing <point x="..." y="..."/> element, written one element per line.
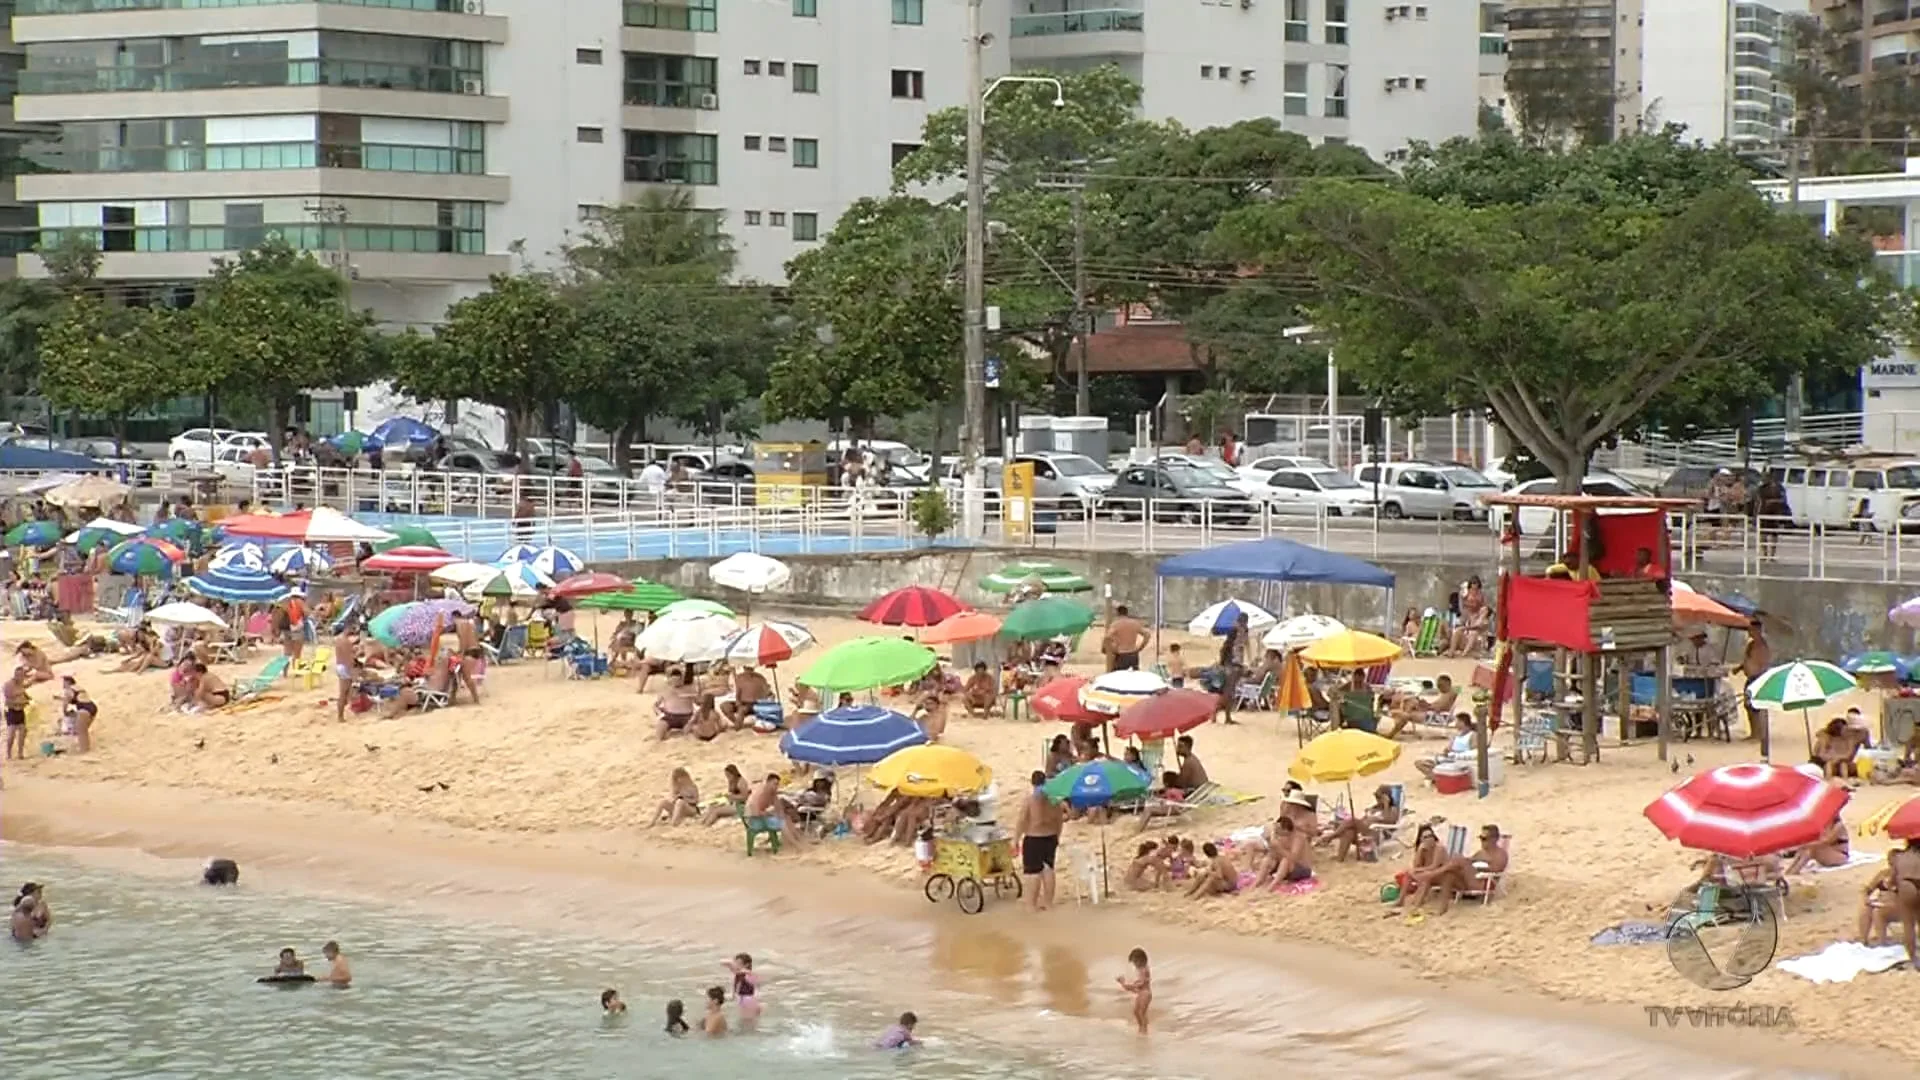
<point x="1562" y="90"/>
<point x="26" y="308"/>
<point x="273" y="324"/>
<point x="1028" y="139"/>
<point x="514" y="347"/>
<point x="877" y="318"/>
<point x="112" y="361"/>
<point x="1849" y="117"/>
<point x="1571" y="303"/>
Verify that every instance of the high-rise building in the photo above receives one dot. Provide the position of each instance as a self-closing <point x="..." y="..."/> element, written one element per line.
<point x="1718" y="67"/>
<point x="1587" y="53"/>
<point x="16" y="219"/>
<point x="1493" y="59"/>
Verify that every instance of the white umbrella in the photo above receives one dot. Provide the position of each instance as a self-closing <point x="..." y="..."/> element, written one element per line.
<point x="750" y="572"/>
<point x="690" y="637"/>
<point x="464" y="573"/>
<point x="119" y="528"/>
<point x="87" y="491"/>
<point x="183" y="613"/>
<point x="298" y="561"/>
<point x="1114" y="691"/>
<point x="1222" y="616"/>
<point x="1302" y="631"/>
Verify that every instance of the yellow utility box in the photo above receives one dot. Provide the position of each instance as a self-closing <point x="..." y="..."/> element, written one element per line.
<point x="1016" y="502"/>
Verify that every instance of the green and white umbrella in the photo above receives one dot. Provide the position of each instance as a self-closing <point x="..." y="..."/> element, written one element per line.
<point x="1802" y="685"/>
<point x="1053" y="577"/>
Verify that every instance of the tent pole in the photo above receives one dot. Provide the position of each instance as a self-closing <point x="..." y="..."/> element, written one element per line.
<point x="1663" y="696"/>
<point x="1159" y="612"/>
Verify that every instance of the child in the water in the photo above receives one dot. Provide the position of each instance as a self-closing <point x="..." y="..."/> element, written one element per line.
<point x="746" y="988"/>
<point x="1140" y="985"/>
<point x="677" y="1018"/>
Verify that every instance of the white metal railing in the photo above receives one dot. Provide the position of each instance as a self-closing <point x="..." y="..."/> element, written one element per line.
<point x="1770" y="438"/>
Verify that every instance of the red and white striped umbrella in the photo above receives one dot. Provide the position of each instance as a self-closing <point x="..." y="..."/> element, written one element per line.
<point x="1746" y="811"/>
<point x="409" y="560"/>
<point x="765" y="643"/>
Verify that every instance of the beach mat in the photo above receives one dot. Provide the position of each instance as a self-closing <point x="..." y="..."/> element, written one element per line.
<point x="1842" y="960"/>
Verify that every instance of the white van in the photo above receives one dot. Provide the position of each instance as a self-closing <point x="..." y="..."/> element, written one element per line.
<point x="1879" y="495"/>
<point x="1428" y="489"/>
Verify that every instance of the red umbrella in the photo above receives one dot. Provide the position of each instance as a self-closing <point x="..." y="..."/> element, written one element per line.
<point x="1745" y="811"/>
<point x="915" y="605"/>
<point x="1905" y="822"/>
<point x="408" y="560"/>
<point x="1059" y="700"/>
<point x="1165" y="714"/>
<point x="588" y="584"/>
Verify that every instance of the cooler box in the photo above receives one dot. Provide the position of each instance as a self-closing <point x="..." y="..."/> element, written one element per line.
<point x="1452" y="777"/>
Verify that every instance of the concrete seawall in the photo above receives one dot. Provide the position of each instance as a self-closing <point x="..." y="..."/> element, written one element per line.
<point x="1818" y="618"/>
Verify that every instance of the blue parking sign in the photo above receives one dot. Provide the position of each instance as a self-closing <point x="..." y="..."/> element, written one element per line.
<point x="992" y="372"/>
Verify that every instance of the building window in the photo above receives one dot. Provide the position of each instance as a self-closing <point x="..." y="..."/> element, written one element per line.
<point x="587" y="211"/>
<point x="776" y="144"/>
<point x="1206" y="71"/>
<point x="246" y="225"/>
<point x="664" y="157"/>
<point x="587" y="56"/>
<point x="909" y="84"/>
<point x="805" y="9"/>
<point x="1336" y="22"/>
<point x="753" y="142"/>
<point x="806" y="227"/>
<point x="1336" y="90"/>
<point x="751" y="67"/>
<point x="806" y="78"/>
<point x="777" y="219"/>
<point x="1296" y="24"/>
<point x="909" y="12"/>
<point x="753" y="217"/>
<point x="1294" y="90"/>
<point x="589" y="134"/>
<point x="702" y="15"/>
<point x="806" y="153"/>
<point x="777" y="68"/>
<point x="673" y="82"/>
<point x="902" y="150"/>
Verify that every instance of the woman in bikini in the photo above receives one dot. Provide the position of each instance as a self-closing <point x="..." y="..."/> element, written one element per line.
<point x="1428" y="856"/>
<point x="746" y="989"/>
<point x="735" y="803"/>
<point x="681" y="804"/>
<point x="1905" y="865"/>
<point x="707" y="723"/>
<point x="675" y="705"/>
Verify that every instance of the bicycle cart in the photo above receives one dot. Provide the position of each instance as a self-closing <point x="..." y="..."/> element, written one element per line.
<point x="963" y="870"/>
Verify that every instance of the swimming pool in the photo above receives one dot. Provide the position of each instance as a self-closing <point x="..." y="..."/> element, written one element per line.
<point x="611" y="540"/>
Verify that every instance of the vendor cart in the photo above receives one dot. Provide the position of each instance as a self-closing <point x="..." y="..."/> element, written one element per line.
<point x="962" y="868"/>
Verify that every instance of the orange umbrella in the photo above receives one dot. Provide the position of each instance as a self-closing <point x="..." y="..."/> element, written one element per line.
<point x="966" y="626"/>
<point x="1692" y="607"/>
<point x="1292" y="693"/>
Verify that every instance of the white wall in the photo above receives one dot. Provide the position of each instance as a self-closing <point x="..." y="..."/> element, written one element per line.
<point x="1687" y="65"/>
<point x="1443" y="49"/>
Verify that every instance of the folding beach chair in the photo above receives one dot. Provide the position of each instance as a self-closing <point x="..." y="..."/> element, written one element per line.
<point x="1431" y="638"/>
<point x="132" y="609"/>
<point x="1386" y="840"/>
<point x="268" y="678"/>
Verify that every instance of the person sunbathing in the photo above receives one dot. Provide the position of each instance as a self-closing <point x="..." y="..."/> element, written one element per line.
<point x="682" y="802"/>
<point x="439" y="680"/>
<point x="736" y="801"/>
<point x="36" y="661"/>
<point x="1219" y="878"/>
<point x="143" y="654"/>
<point x="707" y="722"/>
<point x="1348" y="833"/>
<point x="981" y="693"/>
<point x="675" y="705"/>
<point x="1462" y="874"/>
<point x="1832" y="849"/>
<point x="750" y="688"/>
<point x="1412" y="708"/>
<point x="1428" y="855"/>
<point x="1289" y="855"/>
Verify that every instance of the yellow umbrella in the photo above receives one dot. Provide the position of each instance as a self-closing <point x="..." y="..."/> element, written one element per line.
<point x="1343" y="755"/>
<point x="1350" y="649"/>
<point x="931" y="771"/>
<point x="1292" y="693"/>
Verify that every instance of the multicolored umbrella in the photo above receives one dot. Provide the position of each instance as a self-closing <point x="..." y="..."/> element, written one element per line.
<point x="238" y="585"/>
<point x="750" y="572"/>
<point x="517" y="553"/>
<point x="407" y="536"/>
<point x="518" y="580"/>
<point x="143" y="556"/>
<point x="854" y="735"/>
<point x="355" y="442"/>
<point x="417" y="624"/>
<point x="1165" y="715"/>
<point x="87" y="491"/>
<point x="869" y="662"/>
<point x="178" y="530"/>
<point x="1802" y="685"/>
<point x="1097" y="783"/>
<point x="301" y="562"/>
<point x="1221" y="617"/>
<point x="765" y="643"/>
<point x="1906" y="613"/>
<point x="34" y="534"/>
<point x="1114" y="691"/>
<point x="1746" y="811"/>
<point x="640" y="595"/>
<point x="555" y="563"/>
<point x="1046" y="617"/>
<point x="915" y="605"/>
<point x="697" y="605"/>
<point x="408" y="559"/>
<point x="101" y="531"/>
<point x="321" y="525"/>
<point x="1878" y="662"/>
<point x="1051" y="577"/>
<point x="246" y="555"/>
<point x="381" y="625"/>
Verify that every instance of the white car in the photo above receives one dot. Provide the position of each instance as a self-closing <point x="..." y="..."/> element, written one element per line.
<point x="234" y="464"/>
<point x="1252" y="476"/>
<point x="1539" y="521"/>
<point x="1316" y="490"/>
<point x="196" y="445"/>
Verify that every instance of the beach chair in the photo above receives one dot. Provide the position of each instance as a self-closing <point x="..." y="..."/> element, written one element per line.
<point x="756" y="831"/>
<point x="131" y="611"/>
<point x="1530" y="741"/>
<point x="316" y="667"/>
<point x="1431" y="639"/>
<point x="586" y="665"/>
<point x="1256" y="696"/>
<point x="1488" y="883"/>
<point x="268" y="678"/>
<point x="1311" y="722"/>
<point x="1456" y="840"/>
<point x="431" y="699"/>
<point x="1386" y="840"/>
<point x="536" y="635"/>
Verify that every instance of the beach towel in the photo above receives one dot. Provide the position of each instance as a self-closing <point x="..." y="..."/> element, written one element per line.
<point x="1855" y="857"/>
<point x="1284" y="888"/>
<point x="1842" y="960"/>
<point x="1631" y="933"/>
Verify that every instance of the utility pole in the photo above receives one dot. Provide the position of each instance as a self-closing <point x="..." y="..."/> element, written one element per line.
<point x="1795" y="404"/>
<point x="973" y="432"/>
<point x="1082" y="324"/>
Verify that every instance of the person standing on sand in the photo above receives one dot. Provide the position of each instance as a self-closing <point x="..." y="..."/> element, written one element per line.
<point x="346" y="667"/>
<point x="14" y="690"/>
<point x="339" y="975"/>
<point x="1906" y="896"/>
<point x="1140" y="985"/>
<point x="1124" y="639"/>
<point x="1754" y="661"/>
<point x="1036" y="834"/>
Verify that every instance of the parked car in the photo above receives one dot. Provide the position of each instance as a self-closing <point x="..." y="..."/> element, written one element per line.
<point x="1331" y="490"/>
<point x="141" y="467"/>
<point x="1057" y="476"/>
<point x="1692" y="481"/>
<point x="1538" y="521"/>
<point x="1177" y="493"/>
<point x="471" y="471"/>
<point x="198" y="445"/>
<point x="1206" y="463"/>
<point x="1253" y="475"/>
<point x="1427" y="489"/>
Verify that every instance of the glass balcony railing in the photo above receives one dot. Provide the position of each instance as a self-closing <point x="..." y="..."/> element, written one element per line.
<point x="428" y="239"/>
<point x="1493" y="44"/>
<point x="87" y="7"/>
<point x="372" y="157"/>
<point x="1092" y="21"/>
<point x="231" y="74"/>
<point x="1902" y="266"/>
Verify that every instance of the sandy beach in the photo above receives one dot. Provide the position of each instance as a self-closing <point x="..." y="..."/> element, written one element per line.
<point x="563" y="771"/>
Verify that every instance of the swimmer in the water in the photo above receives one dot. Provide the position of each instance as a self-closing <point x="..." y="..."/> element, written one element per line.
<point x="290" y="964"/>
<point x="1140" y="985"/>
<point x="30" y="917"/>
<point x="715" y="1023"/>
<point x="677" y="1018"/>
<point x="746" y="989"/>
<point x="338" y="973"/>
<point x="611" y="1004"/>
<point x="900" y="1035"/>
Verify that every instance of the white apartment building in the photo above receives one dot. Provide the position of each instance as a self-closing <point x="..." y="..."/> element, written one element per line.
<point x="1717" y="68"/>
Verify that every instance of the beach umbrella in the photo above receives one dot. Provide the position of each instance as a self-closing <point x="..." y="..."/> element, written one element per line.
<point x="1799" y="684"/>
<point x="1112" y="692"/>
<point x="248" y="555"/>
<point x="1221" y="617"/>
<point x="931" y="771"/>
<point x="1906" y="613"/>
<point x="641" y="596"/>
<point x="765" y="643"/>
<point x="1046" y="617"/>
<point x="101" y="530"/>
<point x="915" y="605"/>
<point x="300" y="562"/>
<point x="184" y="613"/>
<point x="966" y="626"/>
<point x="1904" y="824"/>
<point x="1058" y="699"/>
<point x="144" y="556"/>
<point x="321" y="525"/>
<point x="518" y="580"/>
<point x="355" y="442"/>
<point x="407" y="536"/>
<point x="87" y="491"/>
<point x="1878" y="662"/>
<point x="1051" y="577"/>
<point x="1690" y="607"/>
<point x="34" y="534"/>
<point x="402" y="432"/>
<point x="1343" y="754"/>
<point x="462" y="572"/>
<point x="588" y="584"/>
<point x="1739" y="602"/>
<point x="852" y="735"/>
<point x="868" y="662"/>
<point x="417" y="624"/>
<point x="178" y="530"/>
<point x="408" y="559"/>
<point x="697" y="605"/>
<point x="1167" y="714"/>
<point x="692" y="637"/>
<point x="750" y="572"/>
<point x="518" y="553"/>
<point x="1746" y="811"/>
<point x="1291" y="692"/>
<point x="555" y="563"/>
<point x="238" y="585"/>
<point x="1097" y="783"/>
<point x="381" y="625"/>
<point x="1302" y="631"/>
<point x="1350" y="649"/>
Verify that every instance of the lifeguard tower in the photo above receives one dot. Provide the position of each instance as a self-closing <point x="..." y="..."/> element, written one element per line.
<point x="1609" y="595"/>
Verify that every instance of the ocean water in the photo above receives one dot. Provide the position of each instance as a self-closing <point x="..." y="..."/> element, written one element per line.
<point x="150" y="975"/>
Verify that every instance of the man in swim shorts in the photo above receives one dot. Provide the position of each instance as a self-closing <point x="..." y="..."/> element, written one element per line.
<point x="1037" y="835"/>
<point x="338" y="973"/>
<point x="764" y="810"/>
<point x="15" y="692"/>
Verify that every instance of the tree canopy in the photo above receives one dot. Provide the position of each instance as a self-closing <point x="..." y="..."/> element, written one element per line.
<point x="112" y="361"/>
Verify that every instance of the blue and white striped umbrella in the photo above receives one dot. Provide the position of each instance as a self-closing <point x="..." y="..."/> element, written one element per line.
<point x="517" y="553"/>
<point x="1221" y="617"/>
<point x="557" y="563"/>
<point x="301" y="561"/>
<point x="239" y="585"/>
<point x="247" y="556"/>
<point x="855" y="735"/>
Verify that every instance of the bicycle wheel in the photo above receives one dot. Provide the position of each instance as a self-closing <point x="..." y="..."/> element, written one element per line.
<point x="939" y="887"/>
<point x="971" y="898"/>
<point x="1007" y="886"/>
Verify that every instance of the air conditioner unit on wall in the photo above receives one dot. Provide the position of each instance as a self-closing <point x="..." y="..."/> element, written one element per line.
<point x="709" y="101"/>
<point x="475" y="7"/>
<point x="472" y="86"/>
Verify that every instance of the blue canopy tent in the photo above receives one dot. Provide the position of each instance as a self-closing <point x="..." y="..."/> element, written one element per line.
<point x="1265" y="561"/>
<point x="40" y="459"/>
